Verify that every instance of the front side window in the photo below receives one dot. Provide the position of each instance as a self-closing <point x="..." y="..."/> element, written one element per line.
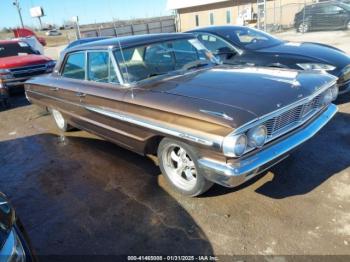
<point x="15" y="49"/>
<point x="75" y="66"/>
<point x="213" y="43"/>
<point x="333" y="9"/>
<point x="100" y="68"/>
<point x="143" y="62"/>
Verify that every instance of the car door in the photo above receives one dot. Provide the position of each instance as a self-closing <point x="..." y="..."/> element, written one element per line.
<point x="102" y="99"/>
<point x="318" y="16"/>
<point x="63" y="88"/>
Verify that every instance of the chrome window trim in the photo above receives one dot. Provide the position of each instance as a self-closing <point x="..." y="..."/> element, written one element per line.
<point x="116" y="67"/>
<point x="280" y="111"/>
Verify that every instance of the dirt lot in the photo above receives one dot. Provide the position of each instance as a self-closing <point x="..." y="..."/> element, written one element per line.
<point x="78" y="194"/>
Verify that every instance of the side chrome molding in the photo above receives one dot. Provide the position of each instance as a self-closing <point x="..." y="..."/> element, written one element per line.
<point x="150" y="125"/>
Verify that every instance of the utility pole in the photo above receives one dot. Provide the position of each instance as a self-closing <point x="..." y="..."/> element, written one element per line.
<point x="16" y="4"/>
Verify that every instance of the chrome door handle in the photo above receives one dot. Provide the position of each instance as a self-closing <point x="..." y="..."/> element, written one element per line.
<point x="54" y="89"/>
<point x="80" y="94"/>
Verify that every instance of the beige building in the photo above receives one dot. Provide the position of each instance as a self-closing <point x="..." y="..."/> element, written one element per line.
<point x="198" y="13"/>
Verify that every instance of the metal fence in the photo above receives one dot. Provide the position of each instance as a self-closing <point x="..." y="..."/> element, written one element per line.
<point x="303" y="15"/>
<point x="144" y="26"/>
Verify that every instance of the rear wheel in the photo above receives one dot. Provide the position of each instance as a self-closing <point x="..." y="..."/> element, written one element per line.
<point x="178" y="163"/>
<point x="60" y="121"/>
<point x="303" y="27"/>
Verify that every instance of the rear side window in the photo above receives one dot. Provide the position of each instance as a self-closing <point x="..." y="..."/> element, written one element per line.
<point x="75" y="66"/>
<point x="100" y="68"/>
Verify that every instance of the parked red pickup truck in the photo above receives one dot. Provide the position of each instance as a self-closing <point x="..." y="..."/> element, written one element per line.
<point x="18" y="63"/>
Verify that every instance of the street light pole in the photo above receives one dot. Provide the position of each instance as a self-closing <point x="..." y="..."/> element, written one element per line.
<point x="16" y="4"/>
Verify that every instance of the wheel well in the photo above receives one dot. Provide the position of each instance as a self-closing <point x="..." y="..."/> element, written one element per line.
<point x="152" y="145"/>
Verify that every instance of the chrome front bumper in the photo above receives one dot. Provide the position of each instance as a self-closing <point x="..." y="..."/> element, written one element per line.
<point x="231" y="175"/>
<point x="13" y="249"/>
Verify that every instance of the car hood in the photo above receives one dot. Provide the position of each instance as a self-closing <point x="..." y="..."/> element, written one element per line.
<point x="313" y="51"/>
<point x="25" y="60"/>
<point x="255" y="90"/>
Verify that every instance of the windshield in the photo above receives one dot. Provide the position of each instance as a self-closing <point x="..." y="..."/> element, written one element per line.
<point x="15" y="49"/>
<point x="345" y="5"/>
<point x="249" y="38"/>
<point x="143" y="62"/>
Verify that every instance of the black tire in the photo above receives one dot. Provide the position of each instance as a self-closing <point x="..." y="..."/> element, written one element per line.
<point x="60" y="121"/>
<point x="201" y="184"/>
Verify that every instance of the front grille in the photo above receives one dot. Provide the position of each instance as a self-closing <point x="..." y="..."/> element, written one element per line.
<point x="289" y="119"/>
<point x="29" y="71"/>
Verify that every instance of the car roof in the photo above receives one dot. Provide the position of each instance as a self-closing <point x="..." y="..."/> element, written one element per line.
<point x="86" y="40"/>
<point x="214" y="28"/>
<point x="131" y="41"/>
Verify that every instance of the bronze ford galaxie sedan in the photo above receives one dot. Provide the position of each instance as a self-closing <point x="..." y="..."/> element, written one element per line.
<point x="166" y="95"/>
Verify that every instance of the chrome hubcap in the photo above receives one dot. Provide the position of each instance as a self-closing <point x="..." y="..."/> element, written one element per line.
<point x="58" y="118"/>
<point x="179" y="167"/>
<point x="303" y="27"/>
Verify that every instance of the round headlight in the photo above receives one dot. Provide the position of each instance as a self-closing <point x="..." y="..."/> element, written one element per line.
<point x="327" y="97"/>
<point x="335" y="92"/>
<point x="257" y="136"/>
<point x="235" y="146"/>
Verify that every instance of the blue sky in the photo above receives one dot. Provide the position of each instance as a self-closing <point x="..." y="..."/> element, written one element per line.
<point x="89" y="11"/>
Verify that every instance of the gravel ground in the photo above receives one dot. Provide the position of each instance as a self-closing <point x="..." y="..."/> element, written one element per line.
<point x="78" y="194"/>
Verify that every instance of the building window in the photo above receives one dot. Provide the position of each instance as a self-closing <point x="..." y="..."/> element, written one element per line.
<point x="211" y="18"/>
<point x="197" y="20"/>
<point x="228" y="17"/>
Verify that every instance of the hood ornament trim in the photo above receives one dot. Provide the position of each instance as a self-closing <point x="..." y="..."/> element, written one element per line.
<point x="217" y="114"/>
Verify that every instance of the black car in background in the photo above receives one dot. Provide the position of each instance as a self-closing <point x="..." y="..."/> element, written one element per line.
<point x="239" y="45"/>
<point x="323" y="16"/>
<point x="14" y="244"/>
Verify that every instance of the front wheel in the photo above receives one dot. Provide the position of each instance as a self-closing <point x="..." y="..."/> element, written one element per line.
<point x="303" y="27"/>
<point x="178" y="163"/>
